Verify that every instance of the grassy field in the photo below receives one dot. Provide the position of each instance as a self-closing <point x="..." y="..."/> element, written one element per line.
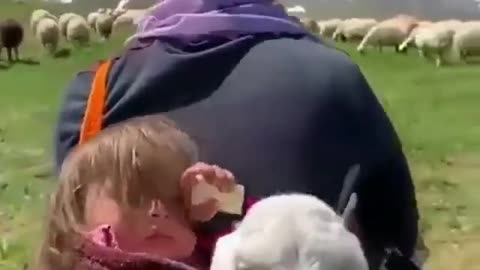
<point x="435" y="111"/>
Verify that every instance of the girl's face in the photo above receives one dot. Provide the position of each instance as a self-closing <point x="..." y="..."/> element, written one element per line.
<point x="158" y="229"/>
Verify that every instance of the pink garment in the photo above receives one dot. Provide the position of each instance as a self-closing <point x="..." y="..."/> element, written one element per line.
<point x="102" y="253"/>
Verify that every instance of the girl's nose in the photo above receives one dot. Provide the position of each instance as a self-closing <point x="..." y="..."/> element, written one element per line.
<point x="157" y="210"/>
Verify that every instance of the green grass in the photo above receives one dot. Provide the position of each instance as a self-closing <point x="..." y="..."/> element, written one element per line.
<point x="434" y="110"/>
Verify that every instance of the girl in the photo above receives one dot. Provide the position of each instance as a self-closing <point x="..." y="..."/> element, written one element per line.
<point x="125" y="195"/>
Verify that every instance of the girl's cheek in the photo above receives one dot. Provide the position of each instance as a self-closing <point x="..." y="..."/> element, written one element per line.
<point x="126" y="236"/>
<point x="133" y="224"/>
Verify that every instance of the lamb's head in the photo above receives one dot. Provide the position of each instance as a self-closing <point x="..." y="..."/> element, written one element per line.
<point x="290" y="232"/>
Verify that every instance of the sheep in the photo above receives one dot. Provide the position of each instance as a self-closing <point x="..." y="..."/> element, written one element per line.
<point x="327" y="28"/>
<point x="434" y="39"/>
<point x="104" y="23"/>
<point x="129" y="17"/>
<point x="411" y="37"/>
<point x="78" y="31"/>
<point x="290" y="231"/>
<point x="64" y="20"/>
<point x="132" y="16"/>
<point x="36" y="16"/>
<point x="353" y="29"/>
<point x="11" y="36"/>
<point x="310" y="25"/>
<point x="121" y="5"/>
<point x="48" y="33"/>
<point x="92" y="19"/>
<point x="391" y="32"/>
<point x="466" y="40"/>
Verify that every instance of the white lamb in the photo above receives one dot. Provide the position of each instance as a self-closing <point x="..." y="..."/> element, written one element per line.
<point x="391" y="32"/>
<point x="328" y="27"/>
<point x="295" y="232"/>
<point x="78" y="31"/>
<point x="37" y="15"/>
<point x="48" y="33"/>
<point x="64" y="20"/>
<point x="353" y="29"/>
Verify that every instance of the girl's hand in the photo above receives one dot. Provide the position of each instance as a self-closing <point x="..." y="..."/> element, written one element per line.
<point x="211" y="174"/>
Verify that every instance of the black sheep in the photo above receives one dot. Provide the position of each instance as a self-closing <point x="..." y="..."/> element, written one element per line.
<point x="11" y="36"/>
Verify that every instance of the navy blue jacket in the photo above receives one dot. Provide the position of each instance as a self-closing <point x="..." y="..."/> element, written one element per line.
<point x="283" y="114"/>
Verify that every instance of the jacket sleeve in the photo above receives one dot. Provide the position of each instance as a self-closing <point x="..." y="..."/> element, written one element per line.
<point x="387" y="208"/>
<point x="71" y="114"/>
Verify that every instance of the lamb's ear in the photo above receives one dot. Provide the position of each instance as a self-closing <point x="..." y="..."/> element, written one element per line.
<point x="348" y="214"/>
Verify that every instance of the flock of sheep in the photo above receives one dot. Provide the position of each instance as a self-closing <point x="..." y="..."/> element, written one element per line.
<point x="448" y="41"/>
<point x="74" y="28"/>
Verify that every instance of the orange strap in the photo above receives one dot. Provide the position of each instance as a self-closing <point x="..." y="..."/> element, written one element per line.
<point x="93" y="118"/>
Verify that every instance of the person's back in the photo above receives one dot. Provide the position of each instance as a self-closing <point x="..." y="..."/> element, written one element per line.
<point x="273" y="109"/>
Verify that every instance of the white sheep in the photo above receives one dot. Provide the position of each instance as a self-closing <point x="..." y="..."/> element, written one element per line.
<point x="409" y="41"/>
<point x="92" y="19"/>
<point x="37" y="15"/>
<point x="311" y="25"/>
<point x="338" y="34"/>
<point x="104" y="23"/>
<point x="122" y="5"/>
<point x="353" y="29"/>
<point x="78" y="31"/>
<point x="64" y="20"/>
<point x="328" y="27"/>
<point x="435" y="40"/>
<point x="466" y="40"/>
<point x="391" y="32"/>
<point x="48" y="33"/>
<point x="131" y="17"/>
<point x="292" y="231"/>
